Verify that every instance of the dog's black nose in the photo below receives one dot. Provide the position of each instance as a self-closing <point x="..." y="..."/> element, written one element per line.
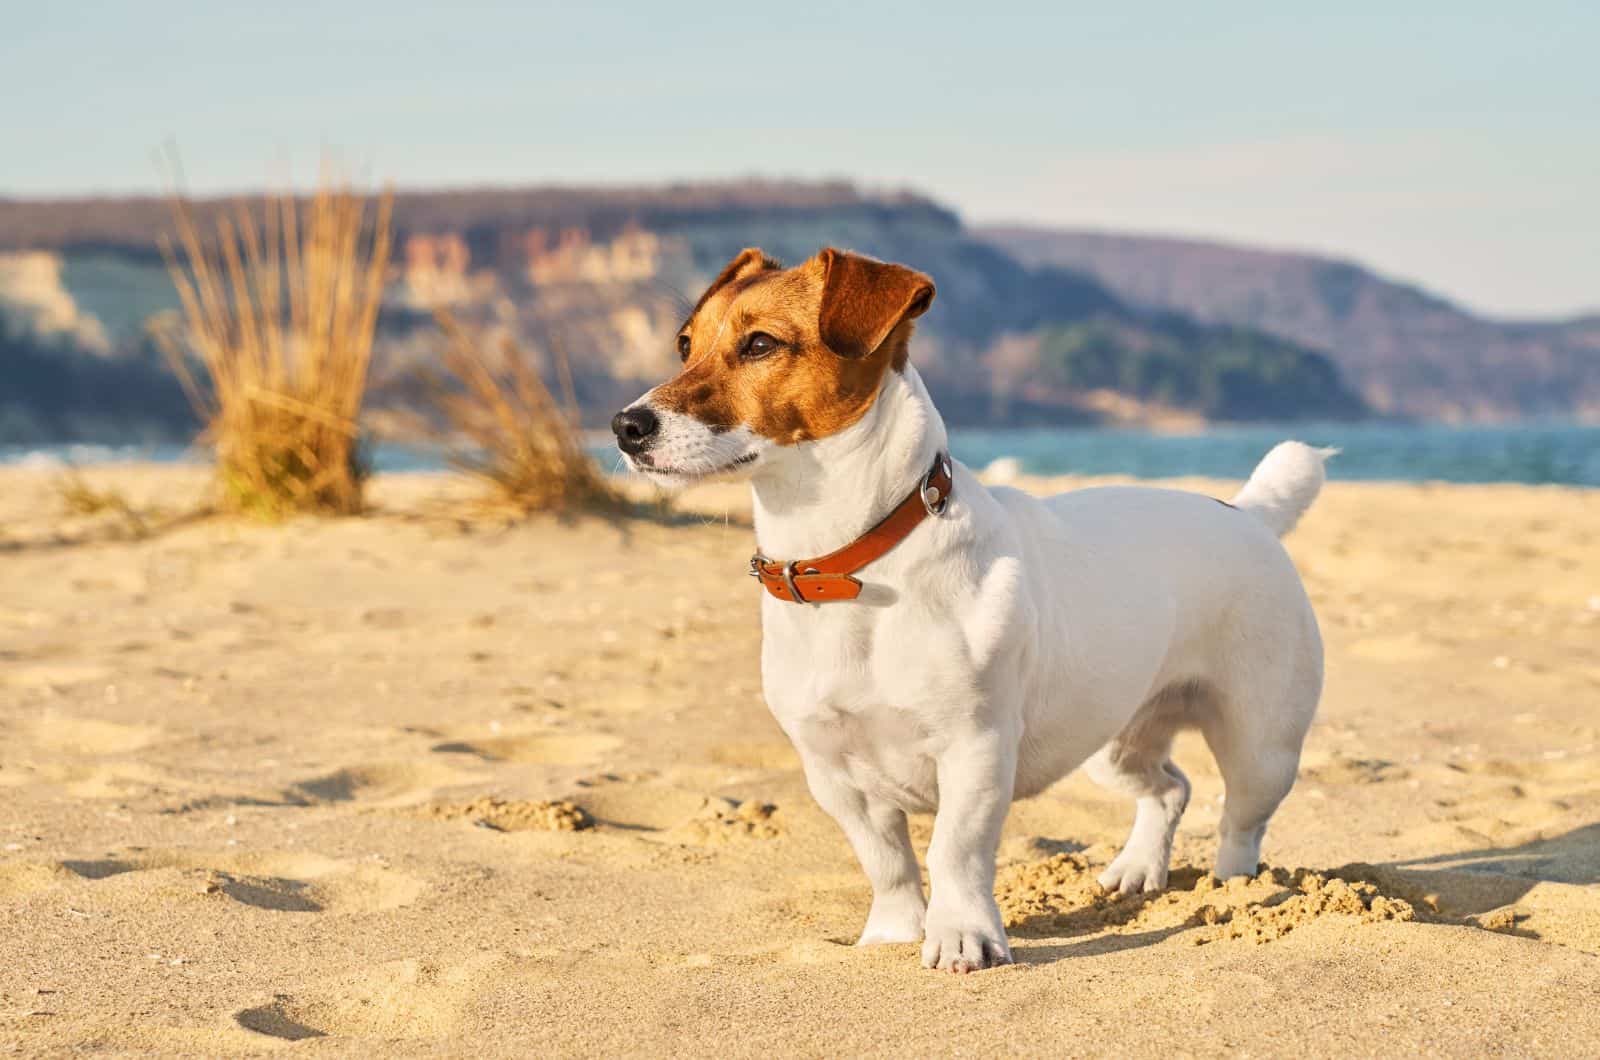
<point x="634" y="429"/>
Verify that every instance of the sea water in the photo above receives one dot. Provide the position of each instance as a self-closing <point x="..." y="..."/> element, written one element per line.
<point x="1566" y="454"/>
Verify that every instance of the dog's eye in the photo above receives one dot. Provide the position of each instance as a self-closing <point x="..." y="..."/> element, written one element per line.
<point x="759" y="344"/>
<point x="683" y="347"/>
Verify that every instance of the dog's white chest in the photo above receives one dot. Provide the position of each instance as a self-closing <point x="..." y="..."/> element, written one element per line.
<point x="883" y="751"/>
<point x="853" y="711"/>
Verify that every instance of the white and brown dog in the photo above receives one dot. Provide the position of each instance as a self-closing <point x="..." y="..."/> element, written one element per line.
<point x="951" y="648"/>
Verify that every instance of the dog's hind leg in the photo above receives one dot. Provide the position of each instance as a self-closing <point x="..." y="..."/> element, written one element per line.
<point x="1138" y="763"/>
<point x="1257" y="747"/>
<point x="1256" y="779"/>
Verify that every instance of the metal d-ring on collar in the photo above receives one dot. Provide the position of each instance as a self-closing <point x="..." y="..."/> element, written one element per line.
<point x="934" y="501"/>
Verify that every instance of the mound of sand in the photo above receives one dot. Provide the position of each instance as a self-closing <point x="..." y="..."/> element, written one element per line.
<point x="1060" y="896"/>
<point x="722" y="820"/>
<point x="512" y="815"/>
<point x="1292" y="900"/>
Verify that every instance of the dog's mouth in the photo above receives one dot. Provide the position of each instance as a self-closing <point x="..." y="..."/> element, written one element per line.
<point x="646" y="463"/>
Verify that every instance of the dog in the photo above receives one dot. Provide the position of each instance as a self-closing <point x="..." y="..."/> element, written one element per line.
<point x="952" y="647"/>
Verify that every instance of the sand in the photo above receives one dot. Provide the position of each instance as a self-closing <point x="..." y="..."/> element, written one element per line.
<point x="419" y="783"/>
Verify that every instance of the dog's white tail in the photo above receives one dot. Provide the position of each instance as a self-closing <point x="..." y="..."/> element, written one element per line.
<point x="1284" y="484"/>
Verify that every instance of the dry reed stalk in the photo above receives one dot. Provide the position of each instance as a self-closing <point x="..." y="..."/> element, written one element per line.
<point x="517" y="439"/>
<point x="280" y="316"/>
<point x="80" y="498"/>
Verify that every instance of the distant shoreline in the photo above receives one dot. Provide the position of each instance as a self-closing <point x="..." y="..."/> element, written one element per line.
<point x="1566" y="454"/>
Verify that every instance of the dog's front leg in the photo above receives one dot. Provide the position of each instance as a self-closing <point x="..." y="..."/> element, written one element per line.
<point x="976" y="778"/>
<point x="882" y="842"/>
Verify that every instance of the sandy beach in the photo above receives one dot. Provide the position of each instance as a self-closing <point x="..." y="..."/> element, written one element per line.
<point x="424" y="783"/>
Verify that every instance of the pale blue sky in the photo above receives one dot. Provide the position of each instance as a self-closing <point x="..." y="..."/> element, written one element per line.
<point x="1455" y="144"/>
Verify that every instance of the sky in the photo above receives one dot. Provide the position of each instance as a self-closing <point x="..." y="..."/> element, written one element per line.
<point x="1455" y="145"/>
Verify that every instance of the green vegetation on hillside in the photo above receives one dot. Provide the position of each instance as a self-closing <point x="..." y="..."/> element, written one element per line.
<point x="1407" y="351"/>
<point x="1222" y="373"/>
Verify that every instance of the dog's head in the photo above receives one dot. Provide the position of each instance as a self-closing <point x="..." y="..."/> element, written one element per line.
<point x="774" y="357"/>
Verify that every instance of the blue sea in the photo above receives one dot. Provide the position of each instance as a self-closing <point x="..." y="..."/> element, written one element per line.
<point x="1566" y="454"/>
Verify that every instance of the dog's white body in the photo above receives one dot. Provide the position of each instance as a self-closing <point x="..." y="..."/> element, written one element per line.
<point x="1000" y="644"/>
<point x="1011" y="640"/>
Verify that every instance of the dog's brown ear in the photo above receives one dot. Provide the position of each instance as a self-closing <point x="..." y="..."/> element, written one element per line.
<point x="864" y="300"/>
<point x="747" y="262"/>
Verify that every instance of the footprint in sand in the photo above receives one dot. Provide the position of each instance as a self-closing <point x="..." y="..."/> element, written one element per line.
<point x="90" y="735"/>
<point x="86" y="757"/>
<point x="283" y="883"/>
<point x="405" y="999"/>
<point x="113" y="780"/>
<point x="383" y="783"/>
<point x="60" y="675"/>
<point x="274" y="1021"/>
<point x="1339" y="768"/>
<point x="548" y="748"/>
<point x="386" y="618"/>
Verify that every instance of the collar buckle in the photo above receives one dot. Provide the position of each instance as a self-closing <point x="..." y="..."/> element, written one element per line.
<point x="789" y="572"/>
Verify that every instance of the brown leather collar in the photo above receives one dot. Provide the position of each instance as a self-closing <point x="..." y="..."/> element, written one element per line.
<point x="827" y="578"/>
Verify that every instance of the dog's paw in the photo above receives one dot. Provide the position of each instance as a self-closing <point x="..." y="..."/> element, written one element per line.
<point x="964" y="944"/>
<point x="893" y="920"/>
<point x="1133" y="872"/>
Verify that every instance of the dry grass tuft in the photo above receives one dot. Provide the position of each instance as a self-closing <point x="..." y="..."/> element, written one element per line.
<point x="509" y="432"/>
<point x="279" y="313"/>
<point x="78" y="497"/>
<point x="107" y="514"/>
